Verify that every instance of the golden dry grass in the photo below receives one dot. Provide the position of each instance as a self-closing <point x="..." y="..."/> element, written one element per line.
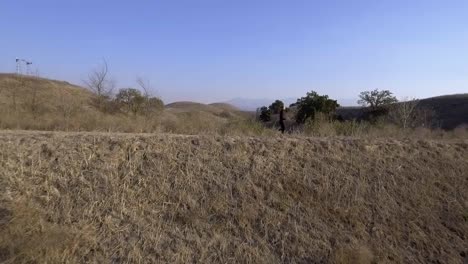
<point x="40" y="104"/>
<point x="140" y="198"/>
<point x="51" y="95"/>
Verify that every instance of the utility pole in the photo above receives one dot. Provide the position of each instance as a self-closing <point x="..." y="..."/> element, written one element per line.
<point x="19" y="66"/>
<point x="28" y="67"/>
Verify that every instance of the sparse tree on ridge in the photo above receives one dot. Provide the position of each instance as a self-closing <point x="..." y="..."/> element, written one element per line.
<point x="376" y="98"/>
<point x="100" y="84"/>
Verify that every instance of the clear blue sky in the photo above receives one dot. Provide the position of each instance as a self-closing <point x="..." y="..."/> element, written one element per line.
<point x="214" y="50"/>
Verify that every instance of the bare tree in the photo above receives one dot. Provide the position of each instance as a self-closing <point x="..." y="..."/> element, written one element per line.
<point x="152" y="104"/>
<point x="145" y="86"/>
<point x="425" y="117"/>
<point x="100" y="83"/>
<point x="405" y="113"/>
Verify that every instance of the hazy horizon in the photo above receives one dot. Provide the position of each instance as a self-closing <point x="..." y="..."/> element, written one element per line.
<point x="212" y="51"/>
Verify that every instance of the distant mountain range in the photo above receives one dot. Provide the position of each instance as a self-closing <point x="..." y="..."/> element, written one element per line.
<point x="251" y="104"/>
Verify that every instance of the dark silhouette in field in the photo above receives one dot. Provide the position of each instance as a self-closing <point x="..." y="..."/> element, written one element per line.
<point x="281" y="120"/>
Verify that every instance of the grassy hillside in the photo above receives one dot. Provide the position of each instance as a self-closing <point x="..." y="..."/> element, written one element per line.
<point x="42" y="104"/>
<point x="106" y="198"/>
<point x="35" y="103"/>
<point x="20" y="93"/>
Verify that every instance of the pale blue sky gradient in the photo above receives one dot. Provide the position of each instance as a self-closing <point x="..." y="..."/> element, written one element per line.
<point x="215" y="50"/>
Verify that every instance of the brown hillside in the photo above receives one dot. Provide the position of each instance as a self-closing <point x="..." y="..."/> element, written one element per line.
<point x="136" y="198"/>
<point x="217" y="114"/>
<point x="21" y="92"/>
<point x="42" y="104"/>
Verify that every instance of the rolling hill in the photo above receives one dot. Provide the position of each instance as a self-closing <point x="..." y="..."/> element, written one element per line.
<point x="43" y="104"/>
<point x="22" y="92"/>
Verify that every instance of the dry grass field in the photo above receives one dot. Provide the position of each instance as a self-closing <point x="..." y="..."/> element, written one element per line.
<point x="33" y="103"/>
<point x="142" y="198"/>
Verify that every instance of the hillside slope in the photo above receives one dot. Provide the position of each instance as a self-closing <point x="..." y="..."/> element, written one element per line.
<point x="23" y="92"/>
<point x="448" y="112"/>
<point x="42" y="104"/>
<point x="106" y="198"/>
